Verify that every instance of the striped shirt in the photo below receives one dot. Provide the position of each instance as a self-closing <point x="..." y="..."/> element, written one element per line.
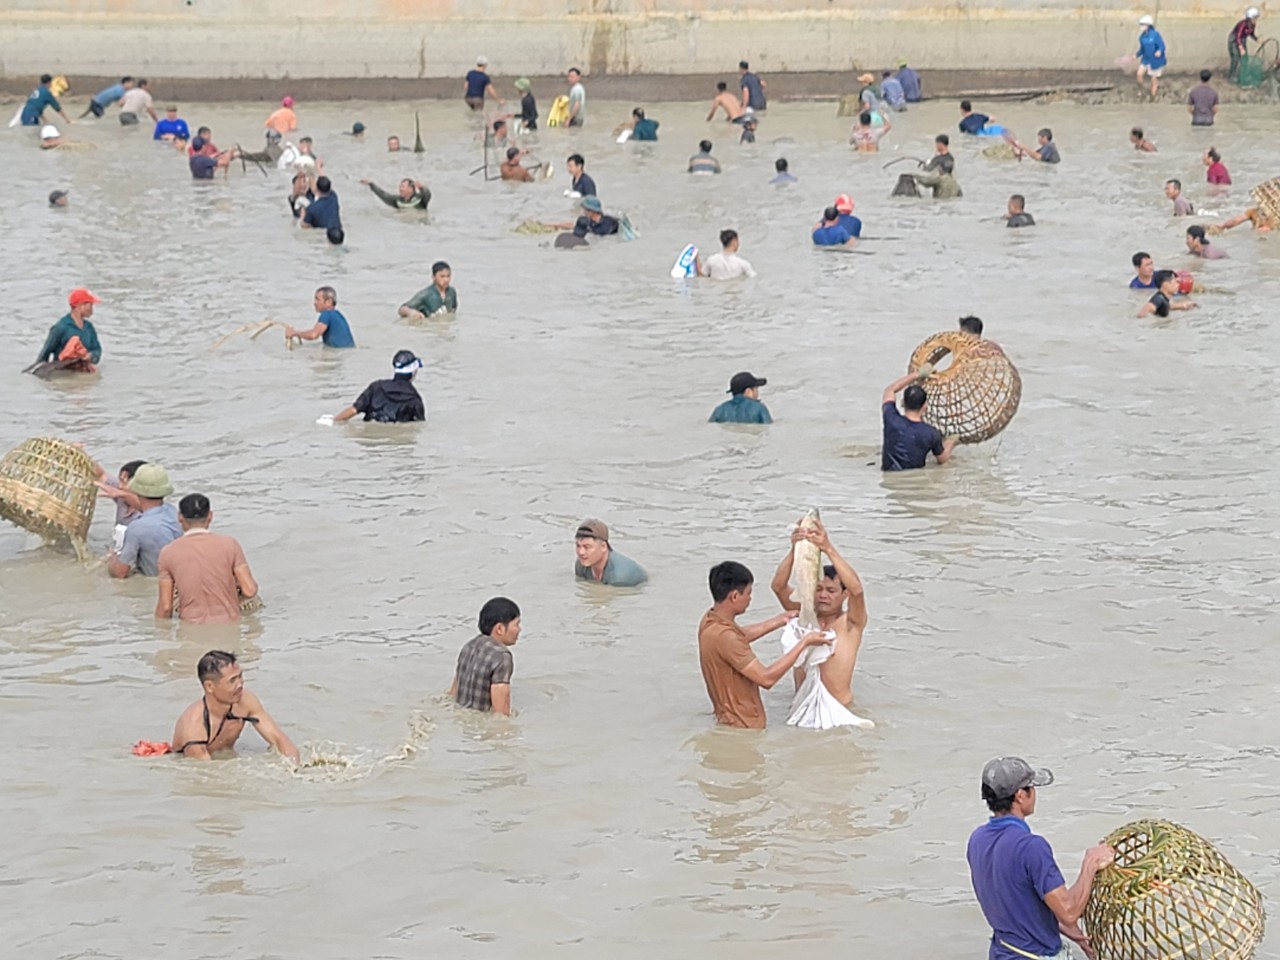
<point x="482" y="662"/>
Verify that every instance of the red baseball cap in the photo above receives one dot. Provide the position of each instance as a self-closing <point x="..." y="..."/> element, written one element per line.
<point x="81" y="296"/>
<point x="844" y="203"/>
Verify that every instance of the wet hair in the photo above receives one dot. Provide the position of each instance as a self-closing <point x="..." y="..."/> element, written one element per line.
<point x="213" y="663"/>
<point x="306" y="140"/>
<point x="203" y="132"/>
<point x="727" y="577"/>
<point x="126" y="79"/>
<point x="577" y="158"/>
<point x="966" y="106"/>
<point x="1177" y="184"/>
<point x="1045" y="132"/>
<point x="972" y="325"/>
<point x="194" y="506"/>
<point x="722" y="86"/>
<point x="575" y="70"/>
<point x="46" y="78"/>
<point x="831" y="213"/>
<point x="885" y="74"/>
<point x="1137" y="132"/>
<point x="780" y="164"/>
<point x="324" y="184"/>
<point x="742" y="65"/>
<point x="1196" y="233"/>
<point x="498" y="124"/>
<point x="142" y="82"/>
<point x="943" y="139"/>
<point x="1139" y="257"/>
<point x="727" y="237"/>
<point x="335" y="235"/>
<point x="638" y="113"/>
<point x="410" y="182"/>
<point x="512" y="153"/>
<point x="1161" y="277"/>
<point x="1019" y="201"/>
<point x="1213" y="154"/>
<point x="438" y="266"/>
<point x="829" y="573"/>
<point x="1205" y="75"/>
<point x="914" y="397"/>
<point x="132" y="466"/>
<point x="864" y="118"/>
<point x="329" y="294"/>
<point x="996" y="804"/>
<point x="704" y="146"/>
<point x="497" y="611"/>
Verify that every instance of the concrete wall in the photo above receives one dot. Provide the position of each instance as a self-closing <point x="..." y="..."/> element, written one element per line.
<point x="441" y="38"/>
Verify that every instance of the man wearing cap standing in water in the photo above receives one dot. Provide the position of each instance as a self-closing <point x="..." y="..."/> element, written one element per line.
<point x="215" y="721"/>
<point x="1238" y="41"/>
<point x="284" y="120"/>
<point x="744" y="405"/>
<point x="391" y="401"/>
<point x="599" y="562"/>
<point x="1018" y="885"/>
<point x="844" y="206"/>
<point x="150" y="532"/>
<point x="73" y="341"/>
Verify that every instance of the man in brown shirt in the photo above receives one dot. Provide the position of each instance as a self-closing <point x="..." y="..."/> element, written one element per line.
<point x="208" y="570"/>
<point x="732" y="672"/>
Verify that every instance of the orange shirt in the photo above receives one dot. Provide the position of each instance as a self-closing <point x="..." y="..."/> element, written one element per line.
<point x="283" y="120"/>
<point x="724" y="653"/>
<point x="202" y="567"/>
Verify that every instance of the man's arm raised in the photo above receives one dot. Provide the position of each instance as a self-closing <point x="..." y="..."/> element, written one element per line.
<point x="857" y="611"/>
<point x="781" y="583"/>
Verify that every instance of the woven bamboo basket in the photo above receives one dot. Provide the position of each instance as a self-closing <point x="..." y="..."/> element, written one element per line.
<point x="974" y="397"/>
<point x="1170" y="895"/>
<point x="47" y="486"/>
<point x="1267" y="197"/>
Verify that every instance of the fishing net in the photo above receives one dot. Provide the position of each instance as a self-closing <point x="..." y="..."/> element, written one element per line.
<point x="1267" y="197"/>
<point x="999" y="151"/>
<point x="1171" y="896"/>
<point x="977" y="394"/>
<point x="47" y="486"/>
<point x="906" y="186"/>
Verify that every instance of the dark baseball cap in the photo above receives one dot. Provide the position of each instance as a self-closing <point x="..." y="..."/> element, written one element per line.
<point x="742" y="382"/>
<point x="1005" y="776"/>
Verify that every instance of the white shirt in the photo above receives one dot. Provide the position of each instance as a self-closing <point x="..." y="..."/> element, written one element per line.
<point x="727" y="266"/>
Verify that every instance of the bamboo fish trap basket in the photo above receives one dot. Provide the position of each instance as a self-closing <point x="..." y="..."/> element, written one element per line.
<point x="47" y="487"/>
<point x="1267" y="197"/>
<point x="976" y="396"/>
<point x="1170" y="895"/>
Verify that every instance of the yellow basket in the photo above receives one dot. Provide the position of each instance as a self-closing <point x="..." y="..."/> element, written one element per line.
<point x="1267" y="197"/>
<point x="1170" y="895"/>
<point x="47" y="486"/>
<point x="977" y="394"/>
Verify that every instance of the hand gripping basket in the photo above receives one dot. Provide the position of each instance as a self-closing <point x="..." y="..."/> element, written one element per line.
<point x="974" y="397"/>
<point x="47" y="486"/>
<point x="1170" y="895"/>
<point x="1267" y="197"/>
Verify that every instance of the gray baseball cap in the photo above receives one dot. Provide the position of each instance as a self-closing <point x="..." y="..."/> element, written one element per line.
<point x="1005" y="776"/>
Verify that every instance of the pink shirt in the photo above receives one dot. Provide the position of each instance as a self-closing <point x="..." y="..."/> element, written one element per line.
<point x="1218" y="173"/>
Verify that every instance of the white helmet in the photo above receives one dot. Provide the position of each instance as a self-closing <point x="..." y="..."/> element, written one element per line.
<point x="1251" y="13"/>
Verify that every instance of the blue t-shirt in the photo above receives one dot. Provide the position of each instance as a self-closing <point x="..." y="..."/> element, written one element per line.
<point x="202" y="167"/>
<point x="741" y="409"/>
<point x="973" y="123"/>
<point x="104" y="98"/>
<point x="41" y="97"/>
<point x="1012" y="870"/>
<point x="619" y="571"/>
<point x="755" y="92"/>
<point x="831" y="236"/>
<point x="1137" y="284"/>
<point x="323" y="212"/>
<point x="851" y="224"/>
<point x="175" y="128"/>
<point x="477" y="83"/>
<point x="147" y="536"/>
<point x="584" y="185"/>
<point x="891" y="90"/>
<point x="910" y="81"/>
<point x="907" y="443"/>
<point x="337" y="332"/>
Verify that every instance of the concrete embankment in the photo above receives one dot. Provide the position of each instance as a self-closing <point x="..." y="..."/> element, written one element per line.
<point x="425" y="40"/>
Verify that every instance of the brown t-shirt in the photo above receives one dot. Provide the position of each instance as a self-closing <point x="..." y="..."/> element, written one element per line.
<point x="724" y="652"/>
<point x="201" y="566"/>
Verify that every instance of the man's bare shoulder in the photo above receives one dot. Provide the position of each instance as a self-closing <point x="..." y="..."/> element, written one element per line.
<point x="190" y="725"/>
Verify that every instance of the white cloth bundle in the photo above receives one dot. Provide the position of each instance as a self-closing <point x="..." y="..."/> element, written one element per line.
<point x="814" y="708"/>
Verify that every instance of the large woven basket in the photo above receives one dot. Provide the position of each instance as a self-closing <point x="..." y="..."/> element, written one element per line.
<point x="974" y="397"/>
<point x="1170" y="895"/>
<point x="47" y="486"/>
<point x="1267" y="197"/>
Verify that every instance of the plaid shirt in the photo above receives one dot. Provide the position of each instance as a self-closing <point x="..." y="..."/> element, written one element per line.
<point x="482" y="662"/>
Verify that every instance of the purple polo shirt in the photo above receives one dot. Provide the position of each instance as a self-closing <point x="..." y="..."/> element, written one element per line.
<point x="1012" y="870"/>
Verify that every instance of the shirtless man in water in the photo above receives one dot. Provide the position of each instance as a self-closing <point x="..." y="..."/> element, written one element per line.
<point x="215" y="721"/>
<point x="839" y="584"/>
